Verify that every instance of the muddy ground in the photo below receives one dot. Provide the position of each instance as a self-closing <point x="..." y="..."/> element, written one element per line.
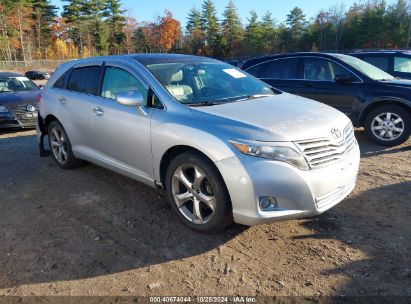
<point x="90" y="231"/>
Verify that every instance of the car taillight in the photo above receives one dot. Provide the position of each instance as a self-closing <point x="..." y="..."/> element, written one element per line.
<point x="38" y="98"/>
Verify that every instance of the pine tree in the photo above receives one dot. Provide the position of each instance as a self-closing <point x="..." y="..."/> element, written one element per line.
<point x="211" y="27"/>
<point x="73" y="12"/>
<point x="193" y="20"/>
<point x="116" y="22"/>
<point x="232" y="29"/>
<point x="296" y="23"/>
<point x="43" y="16"/>
<point x="254" y="35"/>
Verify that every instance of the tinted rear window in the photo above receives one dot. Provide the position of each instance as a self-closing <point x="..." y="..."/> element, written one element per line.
<point x="84" y="80"/>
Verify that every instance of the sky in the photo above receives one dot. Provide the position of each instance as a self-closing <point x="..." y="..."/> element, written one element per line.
<point x="145" y="10"/>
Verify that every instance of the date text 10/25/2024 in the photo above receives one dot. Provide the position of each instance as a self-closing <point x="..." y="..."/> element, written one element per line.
<point x="203" y="299"/>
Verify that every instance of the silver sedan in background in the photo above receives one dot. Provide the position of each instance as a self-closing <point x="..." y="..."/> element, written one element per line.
<point x="223" y="145"/>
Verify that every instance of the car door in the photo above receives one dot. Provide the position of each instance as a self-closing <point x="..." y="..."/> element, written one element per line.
<point x="73" y="97"/>
<point x="321" y="74"/>
<point x="121" y="133"/>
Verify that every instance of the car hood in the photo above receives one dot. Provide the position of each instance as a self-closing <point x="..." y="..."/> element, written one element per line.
<point x="21" y="97"/>
<point x="282" y="117"/>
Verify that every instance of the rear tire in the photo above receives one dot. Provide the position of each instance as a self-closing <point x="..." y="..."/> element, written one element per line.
<point x="60" y="147"/>
<point x="388" y="125"/>
<point x="197" y="193"/>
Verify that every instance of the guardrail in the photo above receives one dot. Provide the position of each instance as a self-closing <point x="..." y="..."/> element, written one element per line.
<point x="32" y="64"/>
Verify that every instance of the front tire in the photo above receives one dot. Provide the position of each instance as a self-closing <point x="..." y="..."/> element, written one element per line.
<point x="60" y="146"/>
<point x="197" y="193"/>
<point x="388" y="125"/>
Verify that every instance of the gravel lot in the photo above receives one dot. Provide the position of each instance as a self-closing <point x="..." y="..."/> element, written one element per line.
<point x="93" y="232"/>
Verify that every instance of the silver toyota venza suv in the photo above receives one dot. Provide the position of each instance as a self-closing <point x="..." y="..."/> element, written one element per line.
<point x="223" y="145"/>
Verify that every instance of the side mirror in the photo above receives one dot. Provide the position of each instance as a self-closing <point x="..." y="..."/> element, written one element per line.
<point x="343" y="78"/>
<point x="130" y="98"/>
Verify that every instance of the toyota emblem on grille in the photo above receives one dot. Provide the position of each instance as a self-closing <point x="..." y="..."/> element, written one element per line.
<point x="336" y="133"/>
<point x="30" y="108"/>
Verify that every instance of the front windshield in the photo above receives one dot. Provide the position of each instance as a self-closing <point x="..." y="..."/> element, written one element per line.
<point x="201" y="82"/>
<point x="364" y="67"/>
<point x="10" y="84"/>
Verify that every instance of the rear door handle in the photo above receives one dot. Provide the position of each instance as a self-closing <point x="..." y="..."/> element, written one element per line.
<point x="98" y="111"/>
<point x="62" y="100"/>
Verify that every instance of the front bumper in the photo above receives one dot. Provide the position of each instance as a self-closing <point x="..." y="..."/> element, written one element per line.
<point x="10" y="123"/>
<point x="298" y="193"/>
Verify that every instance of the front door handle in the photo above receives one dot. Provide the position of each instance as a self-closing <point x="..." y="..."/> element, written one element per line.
<point x="98" y="111"/>
<point x="62" y="100"/>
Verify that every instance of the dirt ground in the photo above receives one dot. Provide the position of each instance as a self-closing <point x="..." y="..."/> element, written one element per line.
<point x="90" y="231"/>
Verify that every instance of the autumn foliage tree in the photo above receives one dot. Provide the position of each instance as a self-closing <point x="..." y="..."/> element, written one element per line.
<point x="169" y="31"/>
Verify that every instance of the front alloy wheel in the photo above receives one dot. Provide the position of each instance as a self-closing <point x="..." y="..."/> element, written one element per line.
<point x="388" y="125"/>
<point x="197" y="192"/>
<point x="193" y="194"/>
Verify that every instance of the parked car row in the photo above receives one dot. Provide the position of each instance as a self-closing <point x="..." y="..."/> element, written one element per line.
<point x="226" y="144"/>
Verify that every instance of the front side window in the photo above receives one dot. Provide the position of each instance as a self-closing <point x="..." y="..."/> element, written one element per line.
<point x="379" y="61"/>
<point x="282" y="69"/>
<point x="319" y="69"/>
<point x="117" y="80"/>
<point x="402" y="64"/>
<point x="257" y="70"/>
<point x="84" y="80"/>
<point x="16" y="84"/>
<point x="204" y="81"/>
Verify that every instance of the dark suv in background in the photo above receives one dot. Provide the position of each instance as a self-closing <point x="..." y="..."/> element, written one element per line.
<point x="372" y="98"/>
<point x="396" y="63"/>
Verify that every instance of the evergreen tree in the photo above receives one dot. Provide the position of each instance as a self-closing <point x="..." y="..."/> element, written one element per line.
<point x="43" y="16"/>
<point x="73" y="12"/>
<point x="116" y="22"/>
<point x="193" y="20"/>
<point x="211" y="27"/>
<point x="296" y="23"/>
<point x="232" y="29"/>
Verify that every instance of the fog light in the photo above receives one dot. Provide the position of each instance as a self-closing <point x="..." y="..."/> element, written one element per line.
<point x="267" y="203"/>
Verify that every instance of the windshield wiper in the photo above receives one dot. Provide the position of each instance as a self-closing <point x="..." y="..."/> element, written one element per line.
<point x="203" y="104"/>
<point x="226" y="100"/>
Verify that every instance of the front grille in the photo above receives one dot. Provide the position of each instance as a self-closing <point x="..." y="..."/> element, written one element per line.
<point x="324" y="151"/>
<point x="24" y="116"/>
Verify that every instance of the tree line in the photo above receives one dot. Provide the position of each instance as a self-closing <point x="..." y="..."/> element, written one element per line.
<point x="32" y="29"/>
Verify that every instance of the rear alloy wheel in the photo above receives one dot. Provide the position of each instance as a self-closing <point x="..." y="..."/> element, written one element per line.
<point x="197" y="193"/>
<point x="60" y="146"/>
<point x="388" y="125"/>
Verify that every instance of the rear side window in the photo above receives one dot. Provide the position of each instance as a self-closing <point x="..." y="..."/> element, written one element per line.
<point x="85" y="80"/>
<point x="402" y="64"/>
<point x="282" y="69"/>
<point x="380" y="62"/>
<point x="62" y="81"/>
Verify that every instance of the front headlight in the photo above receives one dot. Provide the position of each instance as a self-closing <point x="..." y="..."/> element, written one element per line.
<point x="3" y="109"/>
<point x="281" y="151"/>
